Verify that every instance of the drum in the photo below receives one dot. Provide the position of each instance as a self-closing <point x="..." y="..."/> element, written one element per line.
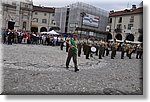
<point x="93" y="49"/>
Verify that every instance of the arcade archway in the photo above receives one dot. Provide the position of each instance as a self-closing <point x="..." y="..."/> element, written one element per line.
<point x="109" y="36"/>
<point x="130" y="37"/>
<point x="118" y="37"/>
<point x="43" y="29"/>
<point x="34" y="29"/>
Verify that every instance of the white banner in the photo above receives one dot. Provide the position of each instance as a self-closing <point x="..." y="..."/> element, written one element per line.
<point x="91" y="20"/>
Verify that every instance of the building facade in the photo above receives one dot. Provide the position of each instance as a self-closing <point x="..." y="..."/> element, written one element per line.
<point x="0" y="15"/>
<point x="82" y="19"/>
<point x="42" y="19"/>
<point x="17" y="14"/>
<point x="126" y="24"/>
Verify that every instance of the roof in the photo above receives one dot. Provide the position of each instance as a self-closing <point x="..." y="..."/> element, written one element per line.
<point x="127" y="12"/>
<point x="44" y="9"/>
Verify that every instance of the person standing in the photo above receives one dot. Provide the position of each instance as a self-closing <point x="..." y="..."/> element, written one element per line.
<point x="61" y="44"/>
<point x="9" y="34"/>
<point x="141" y="51"/>
<point x="107" y="48"/>
<point x="84" y="48"/>
<point x="131" y="49"/>
<point x="123" y="50"/>
<point x="67" y="44"/>
<point x="88" y="50"/>
<point x="28" y="39"/>
<point x="79" y="46"/>
<point x="72" y="53"/>
<point x="113" y="48"/>
<point x="103" y="49"/>
<point x="100" y="51"/>
<point x="97" y="49"/>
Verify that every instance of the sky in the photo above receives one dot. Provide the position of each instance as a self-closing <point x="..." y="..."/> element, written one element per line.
<point x="103" y="4"/>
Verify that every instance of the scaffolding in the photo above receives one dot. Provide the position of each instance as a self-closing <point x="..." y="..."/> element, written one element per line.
<point x="75" y="19"/>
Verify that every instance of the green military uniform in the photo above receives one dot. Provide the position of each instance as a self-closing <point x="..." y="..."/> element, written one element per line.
<point x="123" y="49"/>
<point x="72" y="53"/>
<point x="139" y="52"/>
<point x="113" y="51"/>
<point x="131" y="49"/>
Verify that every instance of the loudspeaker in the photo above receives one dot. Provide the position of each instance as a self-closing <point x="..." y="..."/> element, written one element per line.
<point x="11" y="25"/>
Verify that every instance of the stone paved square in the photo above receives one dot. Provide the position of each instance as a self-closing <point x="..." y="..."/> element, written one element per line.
<point x="38" y="69"/>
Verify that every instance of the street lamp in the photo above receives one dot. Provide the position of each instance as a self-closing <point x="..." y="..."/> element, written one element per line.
<point x="82" y="14"/>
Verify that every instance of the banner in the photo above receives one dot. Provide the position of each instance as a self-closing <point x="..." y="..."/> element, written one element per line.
<point x="91" y="20"/>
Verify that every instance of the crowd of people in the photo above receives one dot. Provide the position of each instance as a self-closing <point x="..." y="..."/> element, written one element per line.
<point x="76" y="45"/>
<point x="102" y="49"/>
<point x="24" y="37"/>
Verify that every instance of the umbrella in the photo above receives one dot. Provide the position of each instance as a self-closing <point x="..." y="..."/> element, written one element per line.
<point x="43" y="32"/>
<point x="52" y="33"/>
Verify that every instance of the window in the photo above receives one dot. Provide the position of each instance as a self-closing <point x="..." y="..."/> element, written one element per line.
<point x="119" y="26"/>
<point x="110" y="20"/>
<point x="24" y="25"/>
<point x="26" y="5"/>
<point x="132" y="19"/>
<point x="120" y="20"/>
<point x="36" y="13"/>
<point x="124" y="26"/>
<point x="130" y="25"/>
<point x="44" y="20"/>
<point x="45" y="14"/>
<point x="53" y="14"/>
<point x="52" y="21"/>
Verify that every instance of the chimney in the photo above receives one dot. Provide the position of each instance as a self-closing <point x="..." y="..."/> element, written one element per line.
<point x="133" y="7"/>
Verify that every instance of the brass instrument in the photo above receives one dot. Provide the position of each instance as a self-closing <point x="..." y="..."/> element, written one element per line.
<point x="130" y="50"/>
<point x="116" y="45"/>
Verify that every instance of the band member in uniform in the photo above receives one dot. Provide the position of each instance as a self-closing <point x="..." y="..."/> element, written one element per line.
<point x="131" y="49"/>
<point x="100" y="50"/>
<point x="79" y="46"/>
<point x="72" y="53"/>
<point x="103" y="49"/>
<point x="67" y="45"/>
<point x="84" y="48"/>
<point x="139" y="51"/>
<point x="113" y="48"/>
<point x="97" y="49"/>
<point x="88" y="50"/>
<point x="107" y="48"/>
<point x="123" y="49"/>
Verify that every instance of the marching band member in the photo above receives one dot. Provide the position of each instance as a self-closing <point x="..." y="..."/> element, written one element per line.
<point x="72" y="53"/>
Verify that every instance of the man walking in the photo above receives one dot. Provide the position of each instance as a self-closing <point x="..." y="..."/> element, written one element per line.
<point x="72" y="53"/>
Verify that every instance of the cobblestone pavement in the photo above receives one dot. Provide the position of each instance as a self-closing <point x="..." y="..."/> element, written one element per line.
<point x="38" y="69"/>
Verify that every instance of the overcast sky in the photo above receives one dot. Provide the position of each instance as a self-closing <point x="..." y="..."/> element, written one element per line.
<point x="103" y="4"/>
